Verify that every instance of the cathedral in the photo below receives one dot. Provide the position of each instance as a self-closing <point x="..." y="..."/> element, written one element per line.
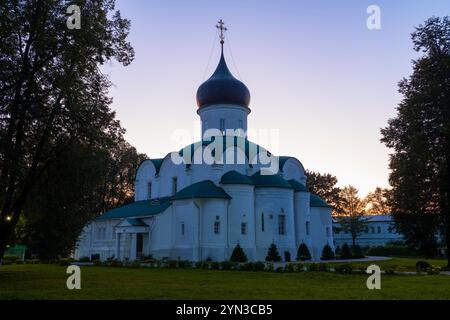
<point x="202" y="201"/>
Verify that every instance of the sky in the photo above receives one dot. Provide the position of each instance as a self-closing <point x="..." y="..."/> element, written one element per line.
<point x="318" y="77"/>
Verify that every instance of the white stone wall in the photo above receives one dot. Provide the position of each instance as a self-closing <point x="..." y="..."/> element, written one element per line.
<point x="232" y="114"/>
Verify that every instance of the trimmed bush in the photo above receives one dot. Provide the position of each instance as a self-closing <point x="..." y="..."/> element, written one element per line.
<point x="422" y="266"/>
<point x="344" y="269"/>
<point x="345" y="252"/>
<point x="272" y="254"/>
<point x="303" y="253"/>
<point x="238" y="255"/>
<point x="327" y="253"/>
<point x="287" y="256"/>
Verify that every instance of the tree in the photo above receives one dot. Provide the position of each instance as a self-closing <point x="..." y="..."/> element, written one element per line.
<point x="52" y="91"/>
<point x="377" y="202"/>
<point x="324" y="185"/>
<point x="351" y="213"/>
<point x="303" y="253"/>
<point x="357" y="252"/>
<point x="346" y="253"/>
<point x="272" y="254"/>
<point x="327" y="253"/>
<point x="238" y="255"/>
<point x="419" y="137"/>
<point x="70" y="194"/>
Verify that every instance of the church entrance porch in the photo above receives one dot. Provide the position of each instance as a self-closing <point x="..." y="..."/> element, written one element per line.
<point x="131" y="239"/>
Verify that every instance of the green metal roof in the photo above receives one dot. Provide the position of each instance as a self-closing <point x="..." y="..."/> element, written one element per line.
<point x="318" y="202"/>
<point x="203" y="189"/>
<point x="234" y="177"/>
<point x="237" y="142"/>
<point x="298" y="186"/>
<point x="270" y="181"/>
<point x="137" y="223"/>
<point x="157" y="163"/>
<point x="137" y="209"/>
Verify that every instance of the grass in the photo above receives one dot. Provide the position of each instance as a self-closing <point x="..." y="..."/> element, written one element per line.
<point x="399" y="264"/>
<point x="49" y="282"/>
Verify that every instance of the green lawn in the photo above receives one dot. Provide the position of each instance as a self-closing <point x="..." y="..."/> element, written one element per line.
<point x="49" y="282"/>
<point x="399" y="264"/>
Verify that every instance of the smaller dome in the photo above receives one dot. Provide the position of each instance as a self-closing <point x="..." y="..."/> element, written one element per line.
<point x="234" y="177"/>
<point x="223" y="88"/>
<point x="318" y="202"/>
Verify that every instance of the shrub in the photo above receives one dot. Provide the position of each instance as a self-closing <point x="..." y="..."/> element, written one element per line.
<point x="357" y="252"/>
<point x="312" y="267"/>
<point x="215" y="265"/>
<point x="272" y="254"/>
<point x="134" y="264"/>
<point x="238" y="255"/>
<point x="172" y="264"/>
<point x="327" y="253"/>
<point x="422" y="266"/>
<point x="303" y="253"/>
<point x="65" y="261"/>
<point x="246" y="266"/>
<point x="184" y="264"/>
<point x="202" y="265"/>
<point x="259" y="266"/>
<point x="338" y="251"/>
<point x="98" y="263"/>
<point x="287" y="256"/>
<point x="270" y="267"/>
<point x="344" y="269"/>
<point x="299" y="267"/>
<point x="32" y="261"/>
<point x="346" y="253"/>
<point x="323" y="267"/>
<point x="84" y="259"/>
<point x="115" y="263"/>
<point x="434" y="270"/>
<point x="391" y="250"/>
<point x="289" y="267"/>
<point x="279" y="269"/>
<point x="227" y="265"/>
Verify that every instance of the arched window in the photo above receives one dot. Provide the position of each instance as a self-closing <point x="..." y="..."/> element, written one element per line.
<point x="222" y="125"/>
<point x="149" y="190"/>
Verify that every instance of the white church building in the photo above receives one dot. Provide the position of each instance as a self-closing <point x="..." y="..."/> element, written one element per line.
<point x="202" y="201"/>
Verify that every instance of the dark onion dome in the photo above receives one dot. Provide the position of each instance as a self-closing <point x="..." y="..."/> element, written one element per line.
<point x="318" y="202"/>
<point x="270" y="181"/>
<point x="203" y="189"/>
<point x="234" y="177"/>
<point x="223" y="88"/>
<point x="298" y="186"/>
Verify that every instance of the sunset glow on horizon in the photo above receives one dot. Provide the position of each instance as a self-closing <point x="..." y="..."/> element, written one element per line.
<point x="308" y="65"/>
